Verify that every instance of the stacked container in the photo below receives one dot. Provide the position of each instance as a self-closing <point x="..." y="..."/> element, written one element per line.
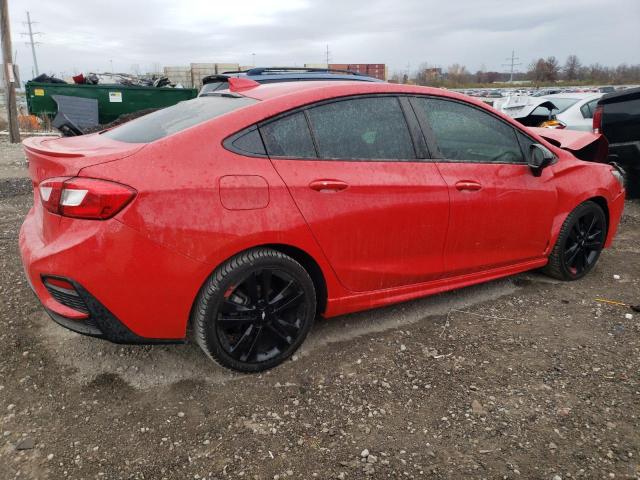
<point x="201" y="70"/>
<point x="179" y="75"/>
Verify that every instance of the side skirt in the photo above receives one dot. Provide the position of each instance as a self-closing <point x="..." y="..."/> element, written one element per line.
<point x="379" y="298"/>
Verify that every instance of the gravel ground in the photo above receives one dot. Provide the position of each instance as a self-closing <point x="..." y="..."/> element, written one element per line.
<point x="520" y="378"/>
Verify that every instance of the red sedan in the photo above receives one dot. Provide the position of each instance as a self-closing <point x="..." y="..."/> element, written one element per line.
<point x="241" y="216"/>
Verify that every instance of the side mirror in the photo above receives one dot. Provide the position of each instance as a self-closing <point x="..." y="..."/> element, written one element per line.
<point x="539" y="158"/>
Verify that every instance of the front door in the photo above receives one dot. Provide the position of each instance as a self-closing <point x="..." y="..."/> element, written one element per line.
<point x="500" y="213"/>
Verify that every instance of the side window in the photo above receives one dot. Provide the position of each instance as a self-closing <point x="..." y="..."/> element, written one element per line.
<point x="370" y="128"/>
<point x="289" y="137"/>
<point x="468" y="134"/>
<point x="247" y="141"/>
<point x="588" y="108"/>
<point x="525" y="144"/>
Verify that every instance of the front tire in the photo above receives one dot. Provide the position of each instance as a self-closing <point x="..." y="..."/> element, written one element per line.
<point x="254" y="311"/>
<point x="579" y="244"/>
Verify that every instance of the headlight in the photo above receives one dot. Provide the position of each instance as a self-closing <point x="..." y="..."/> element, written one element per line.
<point x="618" y="176"/>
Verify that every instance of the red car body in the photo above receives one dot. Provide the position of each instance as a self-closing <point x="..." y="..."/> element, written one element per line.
<point x="370" y="233"/>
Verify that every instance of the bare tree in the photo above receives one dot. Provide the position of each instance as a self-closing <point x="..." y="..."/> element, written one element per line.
<point x="458" y="74"/>
<point x="537" y="70"/>
<point x="543" y="70"/>
<point x="553" y="68"/>
<point x="572" y="67"/>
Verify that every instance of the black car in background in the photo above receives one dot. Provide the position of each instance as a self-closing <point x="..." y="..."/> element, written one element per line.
<point x="617" y="116"/>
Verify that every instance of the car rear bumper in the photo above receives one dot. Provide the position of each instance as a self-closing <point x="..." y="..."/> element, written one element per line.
<point x="126" y="288"/>
<point x="99" y="322"/>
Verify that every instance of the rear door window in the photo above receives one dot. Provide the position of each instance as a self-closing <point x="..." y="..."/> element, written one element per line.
<point x="176" y="118"/>
<point x="588" y="108"/>
<point x="370" y="128"/>
<point x="466" y="133"/>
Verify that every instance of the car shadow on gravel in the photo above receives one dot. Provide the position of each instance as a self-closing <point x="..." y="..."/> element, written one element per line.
<point x="96" y="361"/>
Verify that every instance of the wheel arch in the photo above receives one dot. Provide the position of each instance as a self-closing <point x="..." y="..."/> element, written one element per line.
<point x="562" y="215"/>
<point x="307" y="261"/>
<point x="310" y="265"/>
<point x="602" y="203"/>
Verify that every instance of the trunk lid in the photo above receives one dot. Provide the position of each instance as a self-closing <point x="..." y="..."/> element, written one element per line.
<point x="66" y="156"/>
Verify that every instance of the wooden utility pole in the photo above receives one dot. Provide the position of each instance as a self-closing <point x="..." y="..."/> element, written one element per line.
<point x="9" y="77"/>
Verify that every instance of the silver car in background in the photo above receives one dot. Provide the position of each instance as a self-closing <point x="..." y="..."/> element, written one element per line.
<point x="574" y="110"/>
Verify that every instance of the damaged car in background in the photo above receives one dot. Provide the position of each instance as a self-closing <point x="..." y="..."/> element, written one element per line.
<point x="617" y="117"/>
<point x="573" y="111"/>
<point x="613" y="118"/>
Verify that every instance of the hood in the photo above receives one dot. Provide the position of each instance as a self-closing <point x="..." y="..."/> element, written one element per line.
<point x="591" y="147"/>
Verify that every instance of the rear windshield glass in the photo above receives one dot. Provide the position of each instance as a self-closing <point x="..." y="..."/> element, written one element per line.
<point x="562" y="103"/>
<point x="174" y="119"/>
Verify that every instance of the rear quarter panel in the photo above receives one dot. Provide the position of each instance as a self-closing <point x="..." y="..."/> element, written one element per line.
<point x="179" y="205"/>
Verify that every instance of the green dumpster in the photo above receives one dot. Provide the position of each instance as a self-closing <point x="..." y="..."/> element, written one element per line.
<point x="113" y="100"/>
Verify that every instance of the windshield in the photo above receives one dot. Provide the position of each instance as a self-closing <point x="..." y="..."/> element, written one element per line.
<point x="174" y="119"/>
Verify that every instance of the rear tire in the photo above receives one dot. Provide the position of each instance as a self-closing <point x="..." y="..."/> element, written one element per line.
<point x="579" y="244"/>
<point x="254" y="311"/>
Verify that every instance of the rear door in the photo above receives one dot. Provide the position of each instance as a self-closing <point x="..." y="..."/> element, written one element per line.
<point x="378" y="212"/>
<point x="500" y="213"/>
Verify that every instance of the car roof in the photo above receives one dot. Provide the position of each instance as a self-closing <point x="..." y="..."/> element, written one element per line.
<point x="576" y="95"/>
<point x="269" y="91"/>
<point x="288" y="74"/>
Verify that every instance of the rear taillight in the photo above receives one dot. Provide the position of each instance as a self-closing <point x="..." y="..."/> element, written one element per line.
<point x="597" y="119"/>
<point x="87" y="198"/>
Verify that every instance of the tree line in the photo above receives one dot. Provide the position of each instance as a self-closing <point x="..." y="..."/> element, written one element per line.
<point x="540" y="71"/>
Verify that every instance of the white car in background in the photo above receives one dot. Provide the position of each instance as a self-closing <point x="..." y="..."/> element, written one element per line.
<point x="573" y="111"/>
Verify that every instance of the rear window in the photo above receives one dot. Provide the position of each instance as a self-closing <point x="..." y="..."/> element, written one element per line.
<point x="174" y="119"/>
<point x="561" y="103"/>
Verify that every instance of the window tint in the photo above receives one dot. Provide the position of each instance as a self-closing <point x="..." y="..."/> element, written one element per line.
<point x="588" y="108"/>
<point x="174" y="119"/>
<point x="249" y="141"/>
<point x="364" y="128"/>
<point x="289" y="137"/>
<point x="525" y="144"/>
<point x="466" y="133"/>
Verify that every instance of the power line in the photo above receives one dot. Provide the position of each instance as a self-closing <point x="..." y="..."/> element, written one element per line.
<point x="512" y="63"/>
<point x="327" y="55"/>
<point x="31" y="42"/>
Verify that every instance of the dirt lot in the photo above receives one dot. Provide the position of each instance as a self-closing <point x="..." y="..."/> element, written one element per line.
<point x="520" y="378"/>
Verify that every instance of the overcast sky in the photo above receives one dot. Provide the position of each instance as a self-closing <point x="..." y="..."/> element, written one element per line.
<point x="86" y="35"/>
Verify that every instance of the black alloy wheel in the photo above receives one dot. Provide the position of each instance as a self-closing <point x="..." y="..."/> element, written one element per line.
<point x="579" y="244"/>
<point x="261" y="316"/>
<point x="584" y="243"/>
<point x="255" y="310"/>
